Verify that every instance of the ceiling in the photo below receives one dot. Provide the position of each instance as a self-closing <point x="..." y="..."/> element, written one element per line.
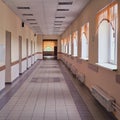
<point x="47" y="16"/>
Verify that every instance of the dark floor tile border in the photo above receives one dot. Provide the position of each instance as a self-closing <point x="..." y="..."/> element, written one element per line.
<point x="81" y="106"/>
<point x="16" y="85"/>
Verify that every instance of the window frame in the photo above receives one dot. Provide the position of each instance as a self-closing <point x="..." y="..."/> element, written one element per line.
<point x="112" y="19"/>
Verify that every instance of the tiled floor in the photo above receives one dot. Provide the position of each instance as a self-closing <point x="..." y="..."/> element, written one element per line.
<point x="47" y="94"/>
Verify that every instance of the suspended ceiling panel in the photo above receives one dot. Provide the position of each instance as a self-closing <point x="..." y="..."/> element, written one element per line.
<point x="47" y="16"/>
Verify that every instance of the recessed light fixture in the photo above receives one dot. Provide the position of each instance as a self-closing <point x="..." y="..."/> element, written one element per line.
<point x="35" y="26"/>
<point x="33" y="23"/>
<point x="62" y="9"/>
<point x="56" y="31"/>
<point x="31" y="19"/>
<point x="27" y="14"/>
<point x="57" y="24"/>
<point x="65" y="3"/>
<point x="60" y="17"/>
<point x="58" y="21"/>
<point x="25" y="7"/>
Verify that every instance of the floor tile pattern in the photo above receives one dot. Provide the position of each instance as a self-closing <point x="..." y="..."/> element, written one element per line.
<point x="46" y="92"/>
<point x="43" y="96"/>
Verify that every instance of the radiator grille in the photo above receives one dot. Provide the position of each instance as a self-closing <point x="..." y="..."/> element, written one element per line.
<point x="103" y="98"/>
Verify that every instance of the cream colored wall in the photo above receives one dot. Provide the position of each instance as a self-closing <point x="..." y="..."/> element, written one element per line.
<point x="35" y="44"/>
<point x="39" y="43"/>
<point x="104" y="78"/>
<point x="2" y="43"/>
<point x="12" y="23"/>
<point x="50" y="37"/>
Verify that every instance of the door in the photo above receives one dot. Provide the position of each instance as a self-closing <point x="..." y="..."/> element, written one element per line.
<point x="55" y="52"/>
<point x="8" y="58"/>
<point x="31" y="53"/>
<point x="20" y="55"/>
<point x="27" y="52"/>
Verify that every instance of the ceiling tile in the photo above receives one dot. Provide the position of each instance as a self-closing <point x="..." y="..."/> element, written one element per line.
<point x="45" y="12"/>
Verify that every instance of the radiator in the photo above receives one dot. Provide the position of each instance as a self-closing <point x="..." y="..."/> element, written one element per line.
<point x="74" y="70"/>
<point x="103" y="98"/>
<point x="81" y="77"/>
<point x="69" y="65"/>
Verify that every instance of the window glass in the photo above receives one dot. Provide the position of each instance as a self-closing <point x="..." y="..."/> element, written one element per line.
<point x="69" y="44"/>
<point x="84" y="41"/>
<point x="75" y="43"/>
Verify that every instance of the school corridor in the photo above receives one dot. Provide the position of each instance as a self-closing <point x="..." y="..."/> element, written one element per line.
<point x="59" y="59"/>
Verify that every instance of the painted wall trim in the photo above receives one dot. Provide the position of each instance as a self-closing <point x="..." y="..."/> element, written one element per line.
<point x="15" y="62"/>
<point x="2" y="68"/>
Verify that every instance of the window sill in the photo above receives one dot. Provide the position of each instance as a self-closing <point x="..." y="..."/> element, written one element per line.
<point x="108" y="66"/>
<point x="74" y="56"/>
<point x="86" y="59"/>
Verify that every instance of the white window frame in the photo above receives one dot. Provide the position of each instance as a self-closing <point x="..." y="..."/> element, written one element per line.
<point x="105" y="38"/>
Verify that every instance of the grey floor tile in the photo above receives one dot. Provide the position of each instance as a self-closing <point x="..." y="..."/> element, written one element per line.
<point x="14" y="115"/>
<point x="3" y="118"/>
<point x="62" y="117"/>
<point x="38" y="118"/>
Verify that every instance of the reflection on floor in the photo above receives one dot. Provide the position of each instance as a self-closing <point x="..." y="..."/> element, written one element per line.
<point x="49" y="57"/>
<point x="47" y="93"/>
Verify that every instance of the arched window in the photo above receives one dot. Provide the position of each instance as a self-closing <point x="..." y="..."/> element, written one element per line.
<point x="69" y="44"/>
<point x="84" y="41"/>
<point x="107" y="22"/>
<point x="62" y="46"/>
<point x="75" y="43"/>
<point x="65" y="46"/>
